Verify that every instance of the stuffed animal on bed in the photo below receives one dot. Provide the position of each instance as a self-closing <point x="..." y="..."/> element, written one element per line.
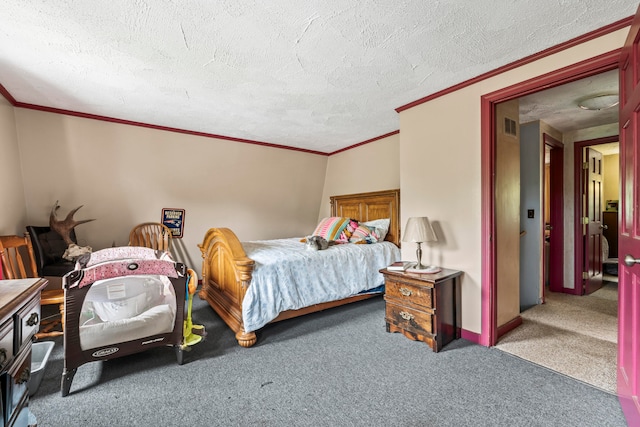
<point x="316" y="243"/>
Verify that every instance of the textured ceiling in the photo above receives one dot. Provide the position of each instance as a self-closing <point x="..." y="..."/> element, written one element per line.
<point x="558" y="106"/>
<point x="318" y="75"/>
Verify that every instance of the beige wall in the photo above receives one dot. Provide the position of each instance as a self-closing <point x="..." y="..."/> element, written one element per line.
<point x="12" y="209"/>
<point x="440" y="167"/>
<point x="124" y="175"/>
<point x="611" y="184"/>
<point x="370" y="167"/>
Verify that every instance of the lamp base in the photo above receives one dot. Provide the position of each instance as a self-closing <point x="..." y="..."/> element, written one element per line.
<point x="424" y="269"/>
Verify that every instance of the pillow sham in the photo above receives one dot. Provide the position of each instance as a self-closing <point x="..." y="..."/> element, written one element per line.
<point x="380" y="227"/>
<point x="363" y="234"/>
<point x="333" y="228"/>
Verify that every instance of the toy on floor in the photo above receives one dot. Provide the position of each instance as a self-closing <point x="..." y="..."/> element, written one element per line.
<point x="193" y="334"/>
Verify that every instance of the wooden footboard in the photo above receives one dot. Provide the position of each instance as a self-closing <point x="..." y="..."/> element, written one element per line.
<point x="227" y="271"/>
<point x="226" y="274"/>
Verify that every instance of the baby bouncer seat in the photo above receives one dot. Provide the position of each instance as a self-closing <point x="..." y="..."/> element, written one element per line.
<point x="120" y="301"/>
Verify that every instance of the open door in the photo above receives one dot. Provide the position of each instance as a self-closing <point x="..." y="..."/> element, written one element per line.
<point x="629" y="228"/>
<point x="556" y="214"/>
<point x="592" y="226"/>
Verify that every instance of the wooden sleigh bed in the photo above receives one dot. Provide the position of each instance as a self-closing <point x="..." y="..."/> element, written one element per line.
<point x="227" y="271"/>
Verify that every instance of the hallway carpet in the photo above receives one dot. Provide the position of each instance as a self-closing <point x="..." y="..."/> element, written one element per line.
<point x="573" y="335"/>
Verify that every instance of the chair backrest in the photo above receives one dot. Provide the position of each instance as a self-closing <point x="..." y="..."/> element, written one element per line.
<point x="152" y="235"/>
<point x="48" y="247"/>
<point x="18" y="261"/>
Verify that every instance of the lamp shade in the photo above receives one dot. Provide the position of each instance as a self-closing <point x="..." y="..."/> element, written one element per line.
<point x="419" y="229"/>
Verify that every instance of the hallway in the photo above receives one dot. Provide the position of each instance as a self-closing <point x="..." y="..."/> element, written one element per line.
<point x="573" y="335"/>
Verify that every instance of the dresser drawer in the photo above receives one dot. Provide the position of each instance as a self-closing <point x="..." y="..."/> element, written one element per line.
<point x="27" y="322"/>
<point x="418" y="295"/>
<point x="6" y="342"/>
<point x="15" y="384"/>
<point x="418" y="322"/>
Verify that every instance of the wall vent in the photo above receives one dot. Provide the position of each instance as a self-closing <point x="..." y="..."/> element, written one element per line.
<point x="510" y="126"/>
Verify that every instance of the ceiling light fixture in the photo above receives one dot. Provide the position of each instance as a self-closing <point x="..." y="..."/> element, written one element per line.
<point x="599" y="102"/>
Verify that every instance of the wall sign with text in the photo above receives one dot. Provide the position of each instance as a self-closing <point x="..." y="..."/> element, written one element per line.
<point x="174" y="219"/>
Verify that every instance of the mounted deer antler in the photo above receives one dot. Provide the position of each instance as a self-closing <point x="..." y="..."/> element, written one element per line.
<point x="63" y="228"/>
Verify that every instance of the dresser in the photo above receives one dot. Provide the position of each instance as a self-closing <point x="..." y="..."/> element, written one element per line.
<point x="423" y="307"/>
<point x="19" y="321"/>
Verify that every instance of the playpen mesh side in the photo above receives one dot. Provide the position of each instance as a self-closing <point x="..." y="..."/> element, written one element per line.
<point x="125" y="309"/>
<point x="75" y="297"/>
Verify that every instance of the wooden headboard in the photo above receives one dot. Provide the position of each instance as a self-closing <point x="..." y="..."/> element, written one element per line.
<point x="369" y="206"/>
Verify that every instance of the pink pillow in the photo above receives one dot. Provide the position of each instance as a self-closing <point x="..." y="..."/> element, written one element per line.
<point x="362" y="233"/>
<point x="335" y="228"/>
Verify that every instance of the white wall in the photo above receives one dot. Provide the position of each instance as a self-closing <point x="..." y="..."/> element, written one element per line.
<point x="124" y="175"/>
<point x="440" y="166"/>
<point x="13" y="210"/>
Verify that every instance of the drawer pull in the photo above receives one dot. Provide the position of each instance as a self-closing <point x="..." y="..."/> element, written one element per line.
<point x="406" y="316"/>
<point x="405" y="292"/>
<point x="32" y="320"/>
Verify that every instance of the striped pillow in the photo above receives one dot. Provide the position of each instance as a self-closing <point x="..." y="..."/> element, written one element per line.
<point x="331" y="228"/>
<point x="363" y="234"/>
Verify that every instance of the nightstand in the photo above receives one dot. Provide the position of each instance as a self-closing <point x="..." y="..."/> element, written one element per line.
<point x="423" y="307"/>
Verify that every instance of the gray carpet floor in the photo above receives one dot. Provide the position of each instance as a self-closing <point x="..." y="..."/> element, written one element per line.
<point x="574" y="335"/>
<point x="335" y="368"/>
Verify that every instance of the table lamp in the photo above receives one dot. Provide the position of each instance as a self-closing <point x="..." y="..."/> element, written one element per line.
<point x="419" y="230"/>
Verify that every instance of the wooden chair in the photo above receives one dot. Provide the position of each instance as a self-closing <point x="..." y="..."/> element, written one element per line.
<point x="152" y="235"/>
<point x="19" y="262"/>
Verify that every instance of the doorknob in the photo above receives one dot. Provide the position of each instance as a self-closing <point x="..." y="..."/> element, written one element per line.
<point x="631" y="261"/>
<point x="605" y="227"/>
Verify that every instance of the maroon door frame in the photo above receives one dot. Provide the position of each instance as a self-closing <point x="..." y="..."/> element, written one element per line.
<point x="577" y="193"/>
<point x="556" y="214"/>
<point x="580" y="70"/>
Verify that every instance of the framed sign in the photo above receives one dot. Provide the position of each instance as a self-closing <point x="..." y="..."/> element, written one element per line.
<point x="174" y="219"/>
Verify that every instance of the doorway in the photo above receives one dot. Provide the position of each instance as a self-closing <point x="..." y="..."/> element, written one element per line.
<point x="585" y="69"/>
<point x="547" y="231"/>
<point x="596" y="200"/>
<point x="553" y="203"/>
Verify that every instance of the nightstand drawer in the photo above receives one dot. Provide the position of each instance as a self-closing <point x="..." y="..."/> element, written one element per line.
<point x="418" y="295"/>
<point x="415" y="321"/>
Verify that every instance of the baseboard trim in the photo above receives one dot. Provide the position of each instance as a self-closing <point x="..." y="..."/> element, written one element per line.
<point x="509" y="326"/>
<point x="471" y="336"/>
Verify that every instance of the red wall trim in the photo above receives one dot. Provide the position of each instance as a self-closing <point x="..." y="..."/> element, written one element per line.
<point x="164" y="128"/>
<point x="531" y="58"/>
<point x="598" y="64"/>
<point x="470" y="336"/>
<point x="4" y="92"/>
<point x="509" y="326"/>
<point x="17" y="104"/>
<point x="395" y="132"/>
<point x="487" y="182"/>
<point x="573" y="42"/>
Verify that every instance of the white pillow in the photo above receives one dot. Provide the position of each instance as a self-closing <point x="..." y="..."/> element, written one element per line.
<point x="381" y="227"/>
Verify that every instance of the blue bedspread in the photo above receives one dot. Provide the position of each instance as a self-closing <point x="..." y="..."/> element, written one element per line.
<point x="288" y="277"/>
